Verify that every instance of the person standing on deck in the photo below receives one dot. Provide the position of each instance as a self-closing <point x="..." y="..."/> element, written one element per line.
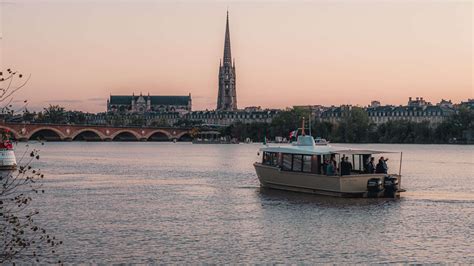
<point x="371" y="166"/>
<point x="348" y="165"/>
<point x="384" y="165"/>
<point x="381" y="167"/>
<point x="332" y="166"/>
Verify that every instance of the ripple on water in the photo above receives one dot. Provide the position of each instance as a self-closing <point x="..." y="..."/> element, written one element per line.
<point x="183" y="203"/>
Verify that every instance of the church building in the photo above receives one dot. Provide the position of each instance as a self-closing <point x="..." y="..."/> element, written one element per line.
<point x="127" y="104"/>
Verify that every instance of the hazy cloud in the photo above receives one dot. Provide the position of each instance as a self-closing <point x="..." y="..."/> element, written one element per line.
<point x="98" y="99"/>
<point x="63" y="101"/>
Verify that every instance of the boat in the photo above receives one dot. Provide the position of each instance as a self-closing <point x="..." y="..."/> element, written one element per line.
<point x="302" y="167"/>
<point x="213" y="137"/>
<point x="7" y="153"/>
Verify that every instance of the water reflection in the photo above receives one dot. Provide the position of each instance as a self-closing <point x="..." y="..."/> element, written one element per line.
<point x="270" y="196"/>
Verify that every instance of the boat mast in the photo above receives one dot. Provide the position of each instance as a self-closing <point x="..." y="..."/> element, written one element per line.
<point x="309" y="124"/>
<point x="302" y="128"/>
<point x="400" y="169"/>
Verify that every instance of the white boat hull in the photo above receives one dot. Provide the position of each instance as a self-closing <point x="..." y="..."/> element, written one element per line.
<point x="340" y="186"/>
<point x="7" y="159"/>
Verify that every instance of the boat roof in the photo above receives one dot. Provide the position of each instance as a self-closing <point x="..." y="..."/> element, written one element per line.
<point x="357" y="151"/>
<point x="305" y="145"/>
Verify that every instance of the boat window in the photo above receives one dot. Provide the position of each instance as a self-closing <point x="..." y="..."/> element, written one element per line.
<point x="267" y="158"/>
<point x="287" y="162"/>
<point x="317" y="165"/>
<point x="307" y="163"/>
<point x="356" y="165"/>
<point x="270" y="158"/>
<point x="364" y="161"/>
<point x="275" y="159"/>
<point x="360" y="162"/>
<point x="297" y="162"/>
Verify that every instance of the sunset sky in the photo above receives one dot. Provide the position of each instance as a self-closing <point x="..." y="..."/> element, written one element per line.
<point x="287" y="52"/>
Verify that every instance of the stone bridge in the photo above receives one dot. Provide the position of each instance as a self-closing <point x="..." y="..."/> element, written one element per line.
<point x="52" y="132"/>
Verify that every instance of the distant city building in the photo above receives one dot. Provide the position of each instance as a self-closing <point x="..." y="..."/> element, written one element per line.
<point x="316" y="110"/>
<point x="431" y="113"/>
<point x="374" y="104"/>
<point x="469" y="104"/>
<point x="417" y="110"/>
<point x="253" y="108"/>
<point x="445" y="103"/>
<point x="418" y="102"/>
<point x="148" y="104"/>
<point x="335" y="114"/>
<point x="226" y="118"/>
<point x="227" y="95"/>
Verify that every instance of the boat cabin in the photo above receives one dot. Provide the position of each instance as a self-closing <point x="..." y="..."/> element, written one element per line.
<point x="307" y="157"/>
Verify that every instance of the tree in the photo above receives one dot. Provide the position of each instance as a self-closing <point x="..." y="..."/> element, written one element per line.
<point x="22" y="238"/>
<point x="8" y="87"/>
<point x="183" y="122"/>
<point x="162" y="122"/>
<point x="422" y="132"/>
<point x="323" y="129"/>
<point x="55" y="114"/>
<point x="453" y="127"/>
<point x="288" y="120"/>
<point x="353" y="127"/>
<point x="28" y="116"/>
<point x="76" y="117"/>
<point x="115" y="120"/>
<point x="136" y="120"/>
<point x="357" y="125"/>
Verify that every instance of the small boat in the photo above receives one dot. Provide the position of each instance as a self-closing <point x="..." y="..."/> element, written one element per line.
<point x="213" y="137"/>
<point x="320" y="141"/>
<point x="7" y="154"/>
<point x="303" y="167"/>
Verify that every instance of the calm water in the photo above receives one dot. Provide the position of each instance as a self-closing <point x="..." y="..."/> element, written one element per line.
<point x="184" y="203"/>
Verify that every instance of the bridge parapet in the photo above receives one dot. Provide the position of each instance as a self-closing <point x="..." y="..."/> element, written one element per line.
<point x="25" y="132"/>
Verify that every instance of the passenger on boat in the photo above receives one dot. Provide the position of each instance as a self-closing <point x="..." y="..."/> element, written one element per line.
<point x="330" y="169"/>
<point x="325" y="166"/>
<point x="346" y="166"/>
<point x="371" y="166"/>
<point x="381" y="167"/>
<point x="334" y="163"/>
<point x="349" y="165"/>
<point x="385" y="166"/>
<point x="341" y="164"/>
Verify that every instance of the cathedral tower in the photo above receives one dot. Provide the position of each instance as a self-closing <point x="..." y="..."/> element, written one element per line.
<point x="227" y="96"/>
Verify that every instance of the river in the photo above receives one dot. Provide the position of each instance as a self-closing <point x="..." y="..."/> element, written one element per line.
<point x="143" y="202"/>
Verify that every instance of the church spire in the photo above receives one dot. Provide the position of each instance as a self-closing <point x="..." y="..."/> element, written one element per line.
<point x="227" y="53"/>
<point x="227" y="96"/>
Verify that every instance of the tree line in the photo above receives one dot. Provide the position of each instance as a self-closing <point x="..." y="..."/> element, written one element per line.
<point x="56" y="114"/>
<point x="356" y="127"/>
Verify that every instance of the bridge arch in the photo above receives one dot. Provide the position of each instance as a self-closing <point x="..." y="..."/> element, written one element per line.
<point x="84" y="134"/>
<point x="158" y="135"/>
<point x="184" y="136"/>
<point x="45" y="133"/>
<point x="125" y="135"/>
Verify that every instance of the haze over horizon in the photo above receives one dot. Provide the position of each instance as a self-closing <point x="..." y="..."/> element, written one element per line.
<point x="286" y="53"/>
